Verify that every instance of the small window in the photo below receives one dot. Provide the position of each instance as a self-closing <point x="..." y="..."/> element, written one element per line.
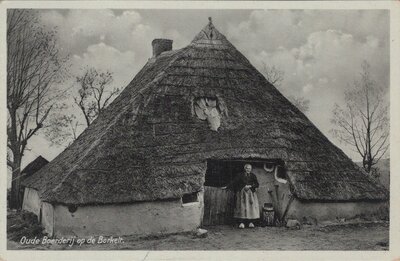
<point x="72" y="208"/>
<point x="190" y="198"/>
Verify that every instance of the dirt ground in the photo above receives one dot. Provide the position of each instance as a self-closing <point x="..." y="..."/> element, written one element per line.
<point x="348" y="236"/>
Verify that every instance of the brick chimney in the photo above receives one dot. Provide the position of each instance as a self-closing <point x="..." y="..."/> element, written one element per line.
<point x="161" y="45"/>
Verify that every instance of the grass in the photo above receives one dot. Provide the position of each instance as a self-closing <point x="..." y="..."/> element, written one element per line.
<point x="22" y="223"/>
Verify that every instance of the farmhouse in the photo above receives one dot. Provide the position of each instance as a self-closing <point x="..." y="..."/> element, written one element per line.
<point x="155" y="160"/>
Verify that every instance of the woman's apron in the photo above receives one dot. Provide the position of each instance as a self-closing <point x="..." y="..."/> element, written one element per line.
<point x="246" y="205"/>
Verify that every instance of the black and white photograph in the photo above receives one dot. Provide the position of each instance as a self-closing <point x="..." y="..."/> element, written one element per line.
<point x="150" y="129"/>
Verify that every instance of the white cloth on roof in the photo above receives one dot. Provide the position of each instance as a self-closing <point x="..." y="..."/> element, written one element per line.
<point x="206" y="109"/>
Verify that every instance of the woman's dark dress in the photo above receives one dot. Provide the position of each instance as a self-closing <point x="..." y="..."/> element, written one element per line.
<point x="246" y="206"/>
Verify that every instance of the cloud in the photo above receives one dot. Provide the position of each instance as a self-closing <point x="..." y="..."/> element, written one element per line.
<point x="323" y="81"/>
<point x="104" y="57"/>
<point x="313" y="44"/>
<point x="322" y="68"/>
<point x="119" y="41"/>
<point x="126" y="30"/>
<point x="79" y="27"/>
<point x="269" y="29"/>
<point x="308" y="87"/>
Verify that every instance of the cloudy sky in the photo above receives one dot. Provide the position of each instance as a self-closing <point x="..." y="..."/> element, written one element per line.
<point x="320" y="51"/>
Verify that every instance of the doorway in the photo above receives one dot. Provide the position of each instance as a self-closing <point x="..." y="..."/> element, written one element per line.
<point x="219" y="203"/>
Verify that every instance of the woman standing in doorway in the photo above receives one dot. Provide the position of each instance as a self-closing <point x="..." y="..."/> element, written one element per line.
<point x="246" y="208"/>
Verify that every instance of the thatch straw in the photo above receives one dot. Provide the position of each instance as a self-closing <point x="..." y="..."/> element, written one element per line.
<point x="149" y="144"/>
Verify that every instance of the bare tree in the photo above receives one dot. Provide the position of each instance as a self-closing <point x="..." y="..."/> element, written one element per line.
<point x="94" y="94"/>
<point x="275" y="76"/>
<point x="63" y="129"/>
<point x="363" y="121"/>
<point x="34" y="67"/>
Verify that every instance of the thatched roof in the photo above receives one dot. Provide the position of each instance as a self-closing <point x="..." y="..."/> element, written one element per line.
<point x="33" y="167"/>
<point x="149" y="144"/>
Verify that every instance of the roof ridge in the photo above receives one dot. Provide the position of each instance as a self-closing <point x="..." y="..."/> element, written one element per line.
<point x="209" y="35"/>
